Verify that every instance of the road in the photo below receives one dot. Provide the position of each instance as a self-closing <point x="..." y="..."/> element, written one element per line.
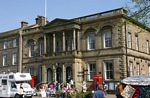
<point x="108" y="96"/>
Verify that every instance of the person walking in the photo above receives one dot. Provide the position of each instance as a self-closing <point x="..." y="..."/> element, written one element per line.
<point x="99" y="92"/>
<point x="21" y="91"/>
<point x="98" y="80"/>
<point x="118" y="90"/>
<point x="43" y="93"/>
<point x="64" y="91"/>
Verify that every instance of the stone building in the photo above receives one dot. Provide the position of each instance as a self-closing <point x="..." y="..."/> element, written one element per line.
<point x="9" y="51"/>
<point x="33" y="49"/>
<point x="109" y="42"/>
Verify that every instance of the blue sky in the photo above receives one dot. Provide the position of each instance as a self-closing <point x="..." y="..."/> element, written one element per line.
<point x="12" y="12"/>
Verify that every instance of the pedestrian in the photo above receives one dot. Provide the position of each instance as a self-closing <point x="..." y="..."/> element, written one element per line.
<point x="64" y="91"/>
<point x="105" y="90"/>
<point x="98" y="80"/>
<point x="71" y="82"/>
<point x="43" y="92"/>
<point x="118" y="90"/>
<point x="99" y="92"/>
<point x="21" y="91"/>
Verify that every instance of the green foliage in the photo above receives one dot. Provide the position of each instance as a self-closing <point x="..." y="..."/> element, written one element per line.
<point x="140" y="11"/>
<point x="83" y="95"/>
<point x="77" y="95"/>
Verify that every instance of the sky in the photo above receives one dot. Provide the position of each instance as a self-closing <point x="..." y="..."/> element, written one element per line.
<point x="12" y="12"/>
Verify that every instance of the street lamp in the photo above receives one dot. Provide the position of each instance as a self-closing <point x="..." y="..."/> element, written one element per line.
<point x="83" y="74"/>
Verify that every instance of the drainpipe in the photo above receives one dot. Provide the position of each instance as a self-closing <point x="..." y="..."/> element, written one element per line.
<point x="126" y="52"/>
<point x="20" y="51"/>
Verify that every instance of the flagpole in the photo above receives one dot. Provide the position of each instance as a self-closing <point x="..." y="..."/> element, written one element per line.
<point x="45" y="10"/>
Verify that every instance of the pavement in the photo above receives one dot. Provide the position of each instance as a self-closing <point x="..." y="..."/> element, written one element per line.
<point x="108" y="96"/>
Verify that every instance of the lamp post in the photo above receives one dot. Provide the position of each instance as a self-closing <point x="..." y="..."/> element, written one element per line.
<point x="83" y="74"/>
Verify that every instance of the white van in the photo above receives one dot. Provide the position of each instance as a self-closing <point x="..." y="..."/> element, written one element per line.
<point x="11" y="84"/>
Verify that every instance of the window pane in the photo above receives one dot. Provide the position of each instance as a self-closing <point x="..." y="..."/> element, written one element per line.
<point x="138" y="69"/>
<point x="68" y="44"/>
<point x="129" y="40"/>
<point x="107" y="39"/>
<point x="31" y="71"/>
<point x="31" y="48"/>
<point x="14" y="59"/>
<point x="14" y="43"/>
<point x="5" y="45"/>
<point x="108" y="70"/>
<point x="41" y="47"/>
<point x="4" y="60"/>
<point x="131" y="69"/>
<point x="4" y="82"/>
<point x="147" y="46"/>
<point x="91" y="41"/>
<point x="136" y="42"/>
<point x="92" y="70"/>
<point x="58" y="45"/>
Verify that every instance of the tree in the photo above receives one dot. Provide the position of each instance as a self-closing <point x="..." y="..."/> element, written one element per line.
<point x="140" y="11"/>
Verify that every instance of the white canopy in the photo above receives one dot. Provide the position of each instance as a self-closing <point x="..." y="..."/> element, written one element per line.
<point x="137" y="80"/>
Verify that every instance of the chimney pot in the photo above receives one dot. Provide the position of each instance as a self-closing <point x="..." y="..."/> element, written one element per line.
<point x="24" y="24"/>
<point x="40" y="20"/>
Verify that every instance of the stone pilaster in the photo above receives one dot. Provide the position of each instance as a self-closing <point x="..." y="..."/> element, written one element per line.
<point x="64" y="43"/>
<point x="64" y="73"/>
<point x="45" y="51"/>
<point x="78" y="40"/>
<point x="44" y="73"/>
<point x="74" y="40"/>
<point x="54" y="43"/>
<point x="54" y="73"/>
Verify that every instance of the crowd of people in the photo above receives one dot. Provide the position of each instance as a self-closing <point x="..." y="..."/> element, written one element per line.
<point x="64" y="89"/>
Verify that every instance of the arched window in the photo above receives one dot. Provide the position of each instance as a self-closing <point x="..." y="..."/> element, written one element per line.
<point x="49" y="75"/>
<point x="31" y="46"/>
<point x="59" y="75"/>
<point x="107" y="37"/>
<point x="41" y="46"/>
<point x="91" y="41"/>
<point x="90" y="33"/>
<point x="68" y="73"/>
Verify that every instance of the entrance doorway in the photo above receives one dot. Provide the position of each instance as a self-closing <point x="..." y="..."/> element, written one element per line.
<point x="59" y="75"/>
<point x="49" y="75"/>
<point x="69" y="74"/>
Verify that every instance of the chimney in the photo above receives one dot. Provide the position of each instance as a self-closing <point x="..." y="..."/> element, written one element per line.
<point x="40" y="20"/>
<point x="24" y="24"/>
